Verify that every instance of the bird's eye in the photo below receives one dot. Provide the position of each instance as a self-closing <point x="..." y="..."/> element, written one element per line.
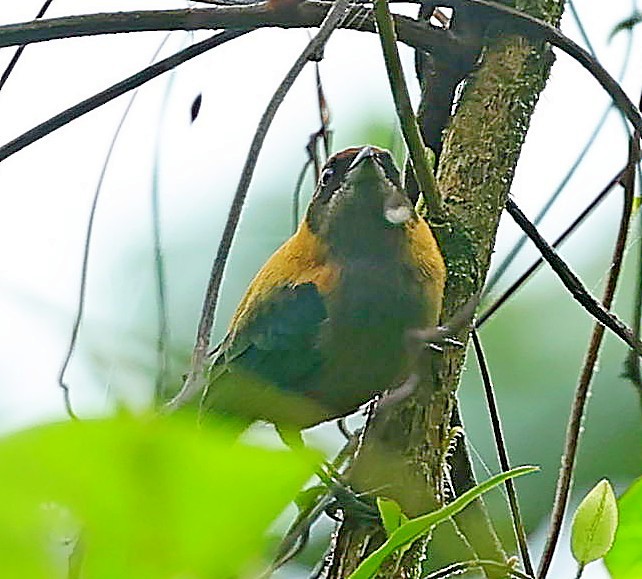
<point x="326" y="176"/>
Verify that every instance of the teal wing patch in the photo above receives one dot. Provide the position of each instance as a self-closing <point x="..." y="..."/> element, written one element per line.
<point x="280" y="341"/>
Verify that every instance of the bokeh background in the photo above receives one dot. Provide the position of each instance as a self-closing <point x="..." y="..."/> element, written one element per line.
<point x="535" y="344"/>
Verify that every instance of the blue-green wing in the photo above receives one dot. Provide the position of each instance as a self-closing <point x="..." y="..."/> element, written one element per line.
<point x="278" y="341"/>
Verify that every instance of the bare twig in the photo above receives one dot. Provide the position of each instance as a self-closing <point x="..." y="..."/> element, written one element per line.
<point x="308" y="14"/>
<point x="414" y="141"/>
<point x="519" y="282"/>
<point x="194" y="382"/>
<point x="258" y="15"/>
<point x="85" y="258"/>
<point x="573" y="283"/>
<point x="574" y="427"/>
<point x="510" y="257"/>
<point x="16" y="57"/>
<point x="163" y="338"/>
<point x="324" y="114"/>
<point x="324" y="133"/>
<point x="114" y="91"/>
<point x="502" y="453"/>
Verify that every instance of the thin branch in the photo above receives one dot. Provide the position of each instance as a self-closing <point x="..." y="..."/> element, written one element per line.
<point x="114" y="91"/>
<point x="194" y="382"/>
<point x="85" y="258"/>
<point x="519" y="282"/>
<point x="324" y="116"/>
<point x="308" y="14"/>
<point x="409" y="127"/>
<point x="502" y="453"/>
<point x="574" y="427"/>
<point x="258" y="15"/>
<point x="324" y="134"/>
<point x="510" y="257"/>
<point x="573" y="283"/>
<point x="18" y="53"/>
<point x="163" y="338"/>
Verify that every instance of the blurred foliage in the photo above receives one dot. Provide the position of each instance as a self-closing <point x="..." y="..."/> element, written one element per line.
<point x="624" y="561"/>
<point x="144" y="497"/>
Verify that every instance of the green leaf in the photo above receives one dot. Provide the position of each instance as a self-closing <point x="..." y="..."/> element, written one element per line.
<point x="419" y="526"/>
<point x="391" y="514"/>
<point x="153" y="497"/>
<point x="624" y="560"/>
<point x="594" y="524"/>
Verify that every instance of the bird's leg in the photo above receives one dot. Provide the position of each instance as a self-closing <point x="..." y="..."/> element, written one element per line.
<point x="346" y="499"/>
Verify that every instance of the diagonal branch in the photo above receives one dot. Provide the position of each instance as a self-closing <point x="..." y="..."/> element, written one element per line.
<point x="114" y="91"/>
<point x="521" y="280"/>
<point x="16" y="57"/>
<point x="573" y="283"/>
<point x="407" y="120"/>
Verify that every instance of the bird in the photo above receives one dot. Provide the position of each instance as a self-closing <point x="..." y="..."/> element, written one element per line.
<point x="322" y="328"/>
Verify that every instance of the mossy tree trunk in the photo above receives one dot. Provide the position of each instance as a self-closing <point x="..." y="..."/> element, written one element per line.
<point x="408" y="445"/>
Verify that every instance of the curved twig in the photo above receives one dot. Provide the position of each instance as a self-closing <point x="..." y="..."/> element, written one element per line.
<point x="509" y="258"/>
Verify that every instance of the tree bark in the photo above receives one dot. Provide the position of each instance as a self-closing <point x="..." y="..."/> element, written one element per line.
<point x="407" y="451"/>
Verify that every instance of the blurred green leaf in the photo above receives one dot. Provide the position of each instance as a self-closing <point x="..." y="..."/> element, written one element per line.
<point x="624" y="560"/>
<point x="391" y="514"/>
<point x="594" y="524"/>
<point x="154" y="498"/>
<point x="419" y="526"/>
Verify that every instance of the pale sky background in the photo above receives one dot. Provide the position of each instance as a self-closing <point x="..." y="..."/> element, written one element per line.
<point x="46" y="189"/>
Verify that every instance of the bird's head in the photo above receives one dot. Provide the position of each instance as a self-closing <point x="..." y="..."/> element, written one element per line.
<point x="359" y="201"/>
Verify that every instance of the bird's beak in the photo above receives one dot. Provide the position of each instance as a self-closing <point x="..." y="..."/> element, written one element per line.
<point x="364" y="153"/>
<point x="397" y="208"/>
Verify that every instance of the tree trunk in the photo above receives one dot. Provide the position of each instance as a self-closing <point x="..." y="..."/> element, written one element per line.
<point x="407" y="450"/>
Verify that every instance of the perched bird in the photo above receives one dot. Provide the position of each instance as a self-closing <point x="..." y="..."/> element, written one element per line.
<point x="322" y="327"/>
